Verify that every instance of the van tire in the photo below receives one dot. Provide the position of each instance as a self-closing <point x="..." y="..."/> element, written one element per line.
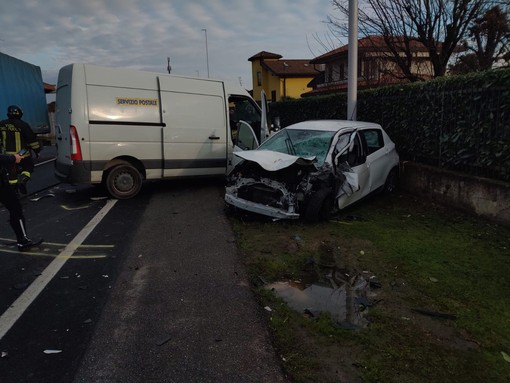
<point x="123" y="181"/>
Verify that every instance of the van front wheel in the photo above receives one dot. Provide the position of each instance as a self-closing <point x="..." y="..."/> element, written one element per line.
<point x="123" y="181"/>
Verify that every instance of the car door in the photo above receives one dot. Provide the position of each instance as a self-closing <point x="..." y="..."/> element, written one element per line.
<point x="354" y="159"/>
<point x="378" y="157"/>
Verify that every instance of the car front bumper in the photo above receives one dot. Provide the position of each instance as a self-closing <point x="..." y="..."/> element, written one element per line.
<point x="260" y="208"/>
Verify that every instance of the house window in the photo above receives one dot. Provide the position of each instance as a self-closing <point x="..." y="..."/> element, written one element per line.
<point x="342" y="71"/>
<point x="368" y="69"/>
<point x="259" y="78"/>
<point x="329" y="76"/>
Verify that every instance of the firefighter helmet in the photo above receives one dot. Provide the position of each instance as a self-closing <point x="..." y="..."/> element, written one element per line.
<point x="14" y="111"/>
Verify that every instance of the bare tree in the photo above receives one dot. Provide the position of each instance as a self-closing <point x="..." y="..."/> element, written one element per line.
<point x="438" y="25"/>
<point x="489" y="38"/>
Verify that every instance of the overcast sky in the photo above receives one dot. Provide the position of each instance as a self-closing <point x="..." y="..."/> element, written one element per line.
<point x="142" y="34"/>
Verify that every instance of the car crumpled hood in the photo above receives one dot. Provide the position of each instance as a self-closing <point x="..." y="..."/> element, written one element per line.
<point x="273" y="161"/>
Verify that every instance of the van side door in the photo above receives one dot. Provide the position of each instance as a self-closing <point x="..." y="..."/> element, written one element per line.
<point x="195" y="127"/>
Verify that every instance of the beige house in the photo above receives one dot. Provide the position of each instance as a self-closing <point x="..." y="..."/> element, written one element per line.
<point x="376" y="66"/>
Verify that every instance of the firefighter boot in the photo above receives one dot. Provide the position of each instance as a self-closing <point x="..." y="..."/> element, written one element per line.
<point x="22" y="183"/>
<point x="25" y="243"/>
<point x="28" y="243"/>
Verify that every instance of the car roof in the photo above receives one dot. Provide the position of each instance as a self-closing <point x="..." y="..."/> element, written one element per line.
<point x="332" y="125"/>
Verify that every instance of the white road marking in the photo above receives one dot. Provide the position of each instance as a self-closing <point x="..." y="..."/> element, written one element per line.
<point x="14" y="312"/>
<point x="81" y="246"/>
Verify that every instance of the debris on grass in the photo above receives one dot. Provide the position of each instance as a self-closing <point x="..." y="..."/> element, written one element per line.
<point x="52" y="351"/>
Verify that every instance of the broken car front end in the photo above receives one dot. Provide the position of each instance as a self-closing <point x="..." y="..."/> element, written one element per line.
<point x="283" y="192"/>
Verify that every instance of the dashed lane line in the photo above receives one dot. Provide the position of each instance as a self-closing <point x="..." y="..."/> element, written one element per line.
<point x="14" y="312"/>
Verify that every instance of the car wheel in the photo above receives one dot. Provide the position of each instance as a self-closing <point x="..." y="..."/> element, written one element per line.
<point x="391" y="183"/>
<point x="123" y="181"/>
<point x="320" y="206"/>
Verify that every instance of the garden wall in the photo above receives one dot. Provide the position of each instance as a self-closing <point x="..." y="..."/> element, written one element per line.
<point x="482" y="196"/>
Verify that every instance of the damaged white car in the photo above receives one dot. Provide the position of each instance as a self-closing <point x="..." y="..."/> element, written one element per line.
<point x="311" y="168"/>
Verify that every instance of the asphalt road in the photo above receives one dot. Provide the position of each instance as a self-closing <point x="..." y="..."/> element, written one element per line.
<point x="155" y="292"/>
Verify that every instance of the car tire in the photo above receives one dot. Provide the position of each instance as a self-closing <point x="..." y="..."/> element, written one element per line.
<point x="123" y="181"/>
<point x="320" y="206"/>
<point x="391" y="183"/>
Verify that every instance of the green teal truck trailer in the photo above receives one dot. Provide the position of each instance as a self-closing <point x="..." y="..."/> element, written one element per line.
<point x="21" y="84"/>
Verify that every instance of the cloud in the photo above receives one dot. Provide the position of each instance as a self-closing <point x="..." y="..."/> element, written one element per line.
<point x="128" y="33"/>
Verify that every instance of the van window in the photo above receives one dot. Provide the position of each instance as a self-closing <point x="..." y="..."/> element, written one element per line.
<point x="243" y="109"/>
<point x="245" y="137"/>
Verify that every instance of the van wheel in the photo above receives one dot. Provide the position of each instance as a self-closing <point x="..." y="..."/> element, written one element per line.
<point x="123" y="181"/>
<point x="320" y="206"/>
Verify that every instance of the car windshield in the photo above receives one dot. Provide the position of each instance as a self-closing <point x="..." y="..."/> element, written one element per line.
<point x="301" y="142"/>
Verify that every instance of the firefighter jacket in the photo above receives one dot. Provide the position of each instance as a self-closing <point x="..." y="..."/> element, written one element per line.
<point x="17" y="134"/>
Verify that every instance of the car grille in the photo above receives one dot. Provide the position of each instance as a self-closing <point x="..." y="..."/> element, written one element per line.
<point x="262" y="194"/>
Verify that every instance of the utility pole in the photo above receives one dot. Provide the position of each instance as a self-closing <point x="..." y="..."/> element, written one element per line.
<point x="168" y="67"/>
<point x="352" y="58"/>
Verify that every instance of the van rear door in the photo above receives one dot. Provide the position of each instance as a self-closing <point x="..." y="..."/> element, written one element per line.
<point x="195" y="128"/>
<point x="62" y="123"/>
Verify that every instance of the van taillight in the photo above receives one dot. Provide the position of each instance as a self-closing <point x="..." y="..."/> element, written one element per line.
<point x="75" y="144"/>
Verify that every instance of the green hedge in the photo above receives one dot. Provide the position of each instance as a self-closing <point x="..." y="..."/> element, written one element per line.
<point x="457" y="122"/>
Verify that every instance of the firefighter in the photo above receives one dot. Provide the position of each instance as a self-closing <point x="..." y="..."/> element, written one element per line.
<point x="10" y="200"/>
<point x="17" y="135"/>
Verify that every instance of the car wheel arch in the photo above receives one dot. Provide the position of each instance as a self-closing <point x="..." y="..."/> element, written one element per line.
<point x="320" y="205"/>
<point x="392" y="179"/>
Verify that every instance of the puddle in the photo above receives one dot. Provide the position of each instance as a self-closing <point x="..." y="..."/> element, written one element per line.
<point x="347" y="303"/>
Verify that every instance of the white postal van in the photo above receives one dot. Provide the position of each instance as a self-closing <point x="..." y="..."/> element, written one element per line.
<point x="121" y="127"/>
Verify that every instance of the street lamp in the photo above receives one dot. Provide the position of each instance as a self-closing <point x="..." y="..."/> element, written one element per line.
<point x="206" y="52"/>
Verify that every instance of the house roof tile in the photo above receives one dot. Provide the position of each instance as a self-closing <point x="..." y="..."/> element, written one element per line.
<point x="369" y="43"/>
<point x="291" y="68"/>
<point x="265" y="55"/>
